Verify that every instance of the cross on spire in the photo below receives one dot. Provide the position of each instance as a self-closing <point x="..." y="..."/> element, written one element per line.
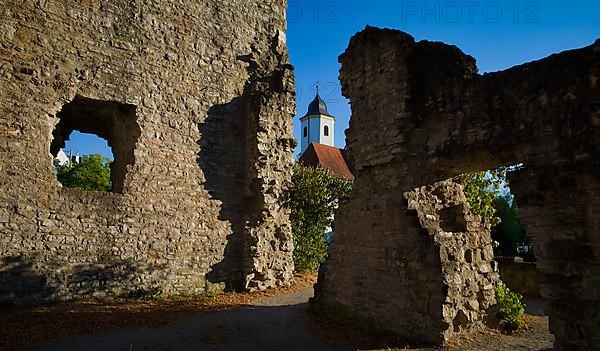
<point x="317" y="84"/>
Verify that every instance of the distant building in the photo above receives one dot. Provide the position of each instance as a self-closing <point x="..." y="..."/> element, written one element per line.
<point x="328" y="157"/>
<point x="317" y="125"/>
<point x="316" y="146"/>
<point x="62" y="159"/>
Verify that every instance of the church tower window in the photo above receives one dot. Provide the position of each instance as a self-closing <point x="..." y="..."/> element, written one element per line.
<point x="326" y="131"/>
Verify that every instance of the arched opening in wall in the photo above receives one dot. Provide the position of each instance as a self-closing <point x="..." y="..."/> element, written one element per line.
<point x="489" y="195"/>
<point x="326" y="131"/>
<point x="104" y="133"/>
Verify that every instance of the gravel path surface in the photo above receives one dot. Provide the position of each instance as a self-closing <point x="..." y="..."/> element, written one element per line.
<point x="274" y="323"/>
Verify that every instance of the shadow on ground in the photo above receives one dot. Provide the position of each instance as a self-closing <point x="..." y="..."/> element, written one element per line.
<point x="271" y="325"/>
<point x="279" y="322"/>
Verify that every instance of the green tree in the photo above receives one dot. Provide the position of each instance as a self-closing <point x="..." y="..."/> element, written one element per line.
<point x="510" y="231"/>
<point x="91" y="173"/>
<point x="481" y="189"/>
<point x="315" y="195"/>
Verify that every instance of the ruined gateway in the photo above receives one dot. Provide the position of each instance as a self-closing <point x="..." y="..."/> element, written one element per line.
<point x="196" y="101"/>
<point x="417" y="261"/>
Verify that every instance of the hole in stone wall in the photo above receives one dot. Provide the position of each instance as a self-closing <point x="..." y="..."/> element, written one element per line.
<point x="489" y="195"/>
<point x="460" y="320"/>
<point x="112" y="121"/>
<point x="452" y="219"/>
<point x="84" y="162"/>
<point x="513" y="250"/>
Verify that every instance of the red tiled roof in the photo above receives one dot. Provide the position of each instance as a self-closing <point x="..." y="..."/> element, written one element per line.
<point x="328" y="157"/>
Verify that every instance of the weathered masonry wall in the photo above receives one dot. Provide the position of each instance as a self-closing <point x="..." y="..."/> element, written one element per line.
<point x="202" y="93"/>
<point x="421" y="263"/>
<point x="438" y="118"/>
<point x="463" y="243"/>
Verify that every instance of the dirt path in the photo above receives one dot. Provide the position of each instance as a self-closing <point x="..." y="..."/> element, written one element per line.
<point x="273" y="323"/>
<point x="276" y="323"/>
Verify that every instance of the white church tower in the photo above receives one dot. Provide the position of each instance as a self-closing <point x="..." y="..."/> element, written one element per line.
<point x="317" y="124"/>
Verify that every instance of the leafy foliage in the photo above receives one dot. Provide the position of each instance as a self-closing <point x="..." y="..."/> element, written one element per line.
<point x="91" y="173"/>
<point x="510" y="308"/>
<point x="481" y="189"/>
<point x="315" y="195"/>
<point x="510" y="231"/>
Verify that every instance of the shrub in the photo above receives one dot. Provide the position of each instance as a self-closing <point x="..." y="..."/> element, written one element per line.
<point x="314" y="197"/>
<point x="510" y="308"/>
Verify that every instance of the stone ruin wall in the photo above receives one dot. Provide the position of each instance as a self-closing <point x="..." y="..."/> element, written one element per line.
<point x="418" y="263"/>
<point x="438" y="118"/>
<point x="209" y="94"/>
<point x="560" y="208"/>
<point x="464" y="245"/>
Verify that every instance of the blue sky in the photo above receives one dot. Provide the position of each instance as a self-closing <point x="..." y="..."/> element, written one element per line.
<point x="499" y="34"/>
